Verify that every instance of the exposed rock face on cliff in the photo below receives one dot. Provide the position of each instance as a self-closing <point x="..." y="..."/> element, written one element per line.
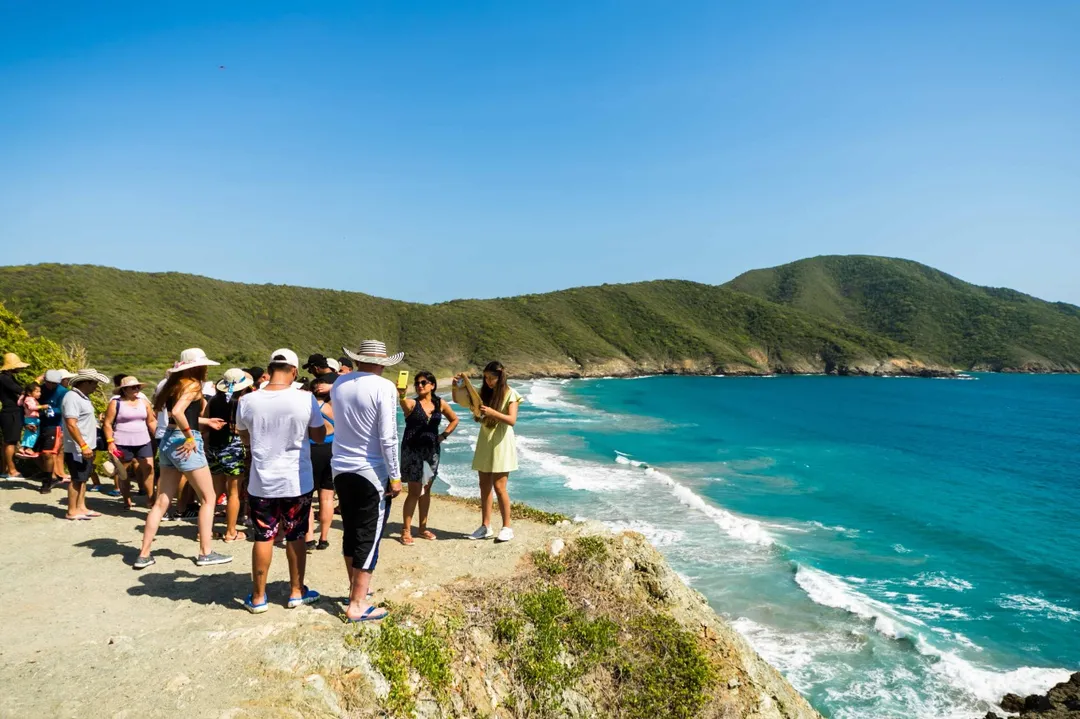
<point x="1061" y="702"/>
<point x="869" y="367"/>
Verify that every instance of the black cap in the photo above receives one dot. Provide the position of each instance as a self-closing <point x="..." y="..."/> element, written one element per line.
<point x="328" y="378"/>
<point x="345" y="362"/>
<point x="315" y="361"/>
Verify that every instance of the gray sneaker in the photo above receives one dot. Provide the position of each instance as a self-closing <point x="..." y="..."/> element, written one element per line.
<point x="143" y="562"/>
<point x="207" y="560"/>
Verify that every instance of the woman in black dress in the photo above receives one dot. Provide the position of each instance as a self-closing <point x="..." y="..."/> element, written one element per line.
<point x="420" y="448"/>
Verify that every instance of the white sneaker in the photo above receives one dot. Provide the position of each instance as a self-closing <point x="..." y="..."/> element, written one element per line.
<point x="505" y="535"/>
<point x="482" y="532"/>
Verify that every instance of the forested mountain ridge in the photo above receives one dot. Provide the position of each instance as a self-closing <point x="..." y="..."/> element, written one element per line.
<point x="138" y="322"/>
<point x="933" y="313"/>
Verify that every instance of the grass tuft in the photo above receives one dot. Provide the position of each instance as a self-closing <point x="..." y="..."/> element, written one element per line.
<point x="398" y="649"/>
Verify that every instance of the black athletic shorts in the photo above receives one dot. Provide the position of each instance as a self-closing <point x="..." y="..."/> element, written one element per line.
<point x="49" y="439"/>
<point x="11" y="425"/>
<point x="320" y="465"/>
<point x="364" y="510"/>
<point x="80" y="469"/>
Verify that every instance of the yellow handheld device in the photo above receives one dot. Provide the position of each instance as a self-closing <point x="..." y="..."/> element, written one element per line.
<point x="402" y="379"/>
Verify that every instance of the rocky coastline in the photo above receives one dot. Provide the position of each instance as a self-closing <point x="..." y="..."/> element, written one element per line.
<point x="1061" y="702"/>
<point x="624" y="368"/>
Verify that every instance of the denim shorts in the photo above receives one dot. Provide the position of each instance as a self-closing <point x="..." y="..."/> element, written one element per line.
<point x="170" y="457"/>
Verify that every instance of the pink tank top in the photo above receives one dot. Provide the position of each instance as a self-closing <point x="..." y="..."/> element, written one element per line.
<point x="131" y="429"/>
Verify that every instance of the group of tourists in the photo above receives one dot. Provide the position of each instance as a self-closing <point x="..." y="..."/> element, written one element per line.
<point x="266" y="446"/>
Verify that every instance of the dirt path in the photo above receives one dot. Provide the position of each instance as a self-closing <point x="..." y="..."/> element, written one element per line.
<point x="82" y="634"/>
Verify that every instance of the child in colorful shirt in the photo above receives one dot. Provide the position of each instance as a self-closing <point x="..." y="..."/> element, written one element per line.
<point x="31" y="419"/>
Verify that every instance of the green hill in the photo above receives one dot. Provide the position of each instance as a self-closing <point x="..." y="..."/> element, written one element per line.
<point x="958" y="323"/>
<point x="133" y="321"/>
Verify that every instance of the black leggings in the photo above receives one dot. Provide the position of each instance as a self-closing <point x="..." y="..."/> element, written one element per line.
<point x="364" y="510"/>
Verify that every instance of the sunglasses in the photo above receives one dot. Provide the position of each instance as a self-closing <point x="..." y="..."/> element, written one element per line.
<point x="422" y="383"/>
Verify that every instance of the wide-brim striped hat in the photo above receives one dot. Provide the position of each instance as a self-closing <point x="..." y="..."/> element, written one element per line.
<point x="373" y="352"/>
<point x="88" y="375"/>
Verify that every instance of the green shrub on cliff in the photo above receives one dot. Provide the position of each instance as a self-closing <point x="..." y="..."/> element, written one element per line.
<point x="40" y="353"/>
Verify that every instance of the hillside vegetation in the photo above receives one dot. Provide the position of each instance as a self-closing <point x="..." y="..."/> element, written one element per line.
<point x="959" y="323"/>
<point x="135" y="321"/>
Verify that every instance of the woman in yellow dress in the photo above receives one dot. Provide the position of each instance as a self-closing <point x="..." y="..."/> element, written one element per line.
<point x="496" y="453"/>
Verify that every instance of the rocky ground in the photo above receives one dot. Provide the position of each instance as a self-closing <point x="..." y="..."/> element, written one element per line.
<point x="551" y="624"/>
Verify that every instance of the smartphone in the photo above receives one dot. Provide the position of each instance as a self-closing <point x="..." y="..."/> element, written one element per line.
<point x="402" y="379"/>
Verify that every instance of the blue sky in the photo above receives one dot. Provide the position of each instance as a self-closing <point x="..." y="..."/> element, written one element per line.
<point x="431" y="150"/>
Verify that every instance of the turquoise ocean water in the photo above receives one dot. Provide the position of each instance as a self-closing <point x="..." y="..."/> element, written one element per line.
<point x="896" y="547"/>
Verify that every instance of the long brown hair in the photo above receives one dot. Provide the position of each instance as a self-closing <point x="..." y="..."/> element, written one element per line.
<point x="493" y="397"/>
<point x="179" y="383"/>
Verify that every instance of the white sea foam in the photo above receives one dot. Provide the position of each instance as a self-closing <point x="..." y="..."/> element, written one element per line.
<point x="832" y="591"/>
<point x="939" y="580"/>
<point x="621" y="458"/>
<point x="839" y="529"/>
<point x="985" y="684"/>
<point x="657" y="536"/>
<point x="741" y="528"/>
<point x="548" y="394"/>
<point x="580" y="475"/>
<point x="900" y="549"/>
<point x="989" y="685"/>
<point x="1038" y="605"/>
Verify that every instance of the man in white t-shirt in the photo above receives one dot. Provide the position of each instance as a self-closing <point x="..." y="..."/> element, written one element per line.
<point x="275" y="424"/>
<point x="366" y="466"/>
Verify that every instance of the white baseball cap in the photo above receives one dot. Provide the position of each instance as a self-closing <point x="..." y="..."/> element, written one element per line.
<point x="285" y="356"/>
<point x="56" y="376"/>
<point x="333" y="364"/>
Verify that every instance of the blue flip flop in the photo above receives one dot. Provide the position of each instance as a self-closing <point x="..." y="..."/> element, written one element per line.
<point x="310" y="596"/>
<point x="367" y="616"/>
<point x="255" y="608"/>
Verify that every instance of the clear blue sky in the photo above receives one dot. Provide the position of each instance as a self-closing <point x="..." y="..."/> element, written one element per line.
<point x="429" y="150"/>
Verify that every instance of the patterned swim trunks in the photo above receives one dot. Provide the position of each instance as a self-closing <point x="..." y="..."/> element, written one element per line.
<point x="227" y="460"/>
<point x="280" y="516"/>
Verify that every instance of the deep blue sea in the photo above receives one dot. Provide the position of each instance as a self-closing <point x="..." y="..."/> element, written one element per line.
<point x="896" y="547"/>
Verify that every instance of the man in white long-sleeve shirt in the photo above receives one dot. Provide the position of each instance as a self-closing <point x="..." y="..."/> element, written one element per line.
<point x="366" y="466"/>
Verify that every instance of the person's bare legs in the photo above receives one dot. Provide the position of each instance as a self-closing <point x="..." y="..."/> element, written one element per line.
<point x="310" y="536"/>
<point x="296" y="551"/>
<point x="125" y="491"/>
<point x="170" y="483"/>
<point x="499" y="482"/>
<point x="425" y="506"/>
<point x="232" y="506"/>
<point x="485" y="498"/>
<point x="261" y="555"/>
<point x="58" y="465"/>
<point x="408" y="508"/>
<point x="203" y="483"/>
<point x="326" y="513"/>
<point x="144" y="470"/>
<point x="73" y="498"/>
<point x="184" y="495"/>
<point x="360" y="581"/>
<point x="9" y="460"/>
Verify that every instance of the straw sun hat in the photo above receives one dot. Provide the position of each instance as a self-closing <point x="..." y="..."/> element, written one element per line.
<point x="191" y="358"/>
<point x="12" y="361"/>
<point x="130" y="382"/>
<point x="88" y="375"/>
<point x="374" y="352"/>
<point x="234" y="380"/>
